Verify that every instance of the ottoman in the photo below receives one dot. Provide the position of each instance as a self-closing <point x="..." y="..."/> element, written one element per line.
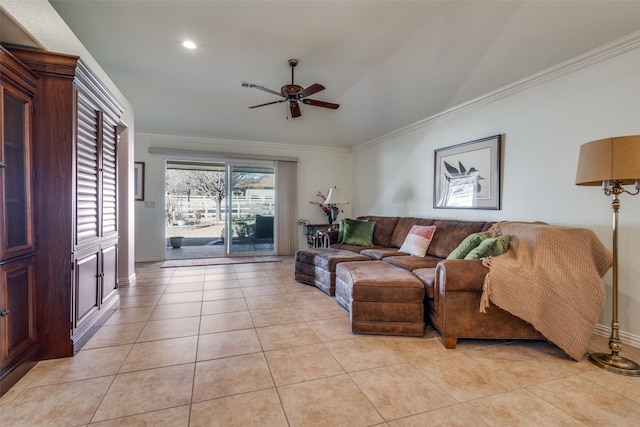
<point x="317" y="267"/>
<point x="381" y="298"/>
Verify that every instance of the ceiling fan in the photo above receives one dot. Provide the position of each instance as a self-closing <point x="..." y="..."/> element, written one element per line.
<point x="293" y="93"/>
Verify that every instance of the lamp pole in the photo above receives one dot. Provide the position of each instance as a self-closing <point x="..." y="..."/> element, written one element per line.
<point x="614" y="362"/>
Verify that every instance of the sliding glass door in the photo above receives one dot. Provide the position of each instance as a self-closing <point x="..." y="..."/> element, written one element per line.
<point x="214" y="209"/>
<point x="251" y="209"/>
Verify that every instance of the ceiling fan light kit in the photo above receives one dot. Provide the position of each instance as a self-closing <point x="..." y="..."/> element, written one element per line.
<point x="293" y="94"/>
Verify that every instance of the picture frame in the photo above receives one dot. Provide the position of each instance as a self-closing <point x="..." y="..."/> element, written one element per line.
<point x="468" y="175"/>
<point x="138" y="180"/>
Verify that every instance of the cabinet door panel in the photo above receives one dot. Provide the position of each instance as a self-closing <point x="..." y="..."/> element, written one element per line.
<point x="16" y="284"/>
<point x="16" y="234"/>
<point x="86" y="288"/>
<point x="109" y="272"/>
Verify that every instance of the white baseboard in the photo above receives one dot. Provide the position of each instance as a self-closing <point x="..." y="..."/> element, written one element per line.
<point x="129" y="281"/>
<point x="625" y="337"/>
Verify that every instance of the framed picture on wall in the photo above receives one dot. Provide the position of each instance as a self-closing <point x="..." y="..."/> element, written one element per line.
<point x="138" y="179"/>
<point x="467" y="176"/>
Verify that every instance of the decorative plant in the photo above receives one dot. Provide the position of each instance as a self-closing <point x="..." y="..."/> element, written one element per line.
<point x="325" y="208"/>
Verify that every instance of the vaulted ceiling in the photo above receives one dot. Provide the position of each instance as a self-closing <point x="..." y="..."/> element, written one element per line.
<point x="387" y="63"/>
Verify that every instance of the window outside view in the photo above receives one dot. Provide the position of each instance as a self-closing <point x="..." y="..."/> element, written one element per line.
<point x="198" y="209"/>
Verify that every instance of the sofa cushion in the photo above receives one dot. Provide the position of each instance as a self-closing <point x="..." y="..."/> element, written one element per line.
<point x="376" y="281"/>
<point x="410" y="262"/>
<point x="402" y="229"/>
<point x="492" y="246"/>
<point x="467" y="245"/>
<point x="354" y="248"/>
<point x="428" y="277"/>
<point x="418" y="240"/>
<point x="358" y="232"/>
<point x="379" y="253"/>
<point x="327" y="258"/>
<point x="450" y="234"/>
<point x="384" y="228"/>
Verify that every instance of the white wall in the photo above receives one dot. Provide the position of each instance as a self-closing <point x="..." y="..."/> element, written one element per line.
<point x="42" y="23"/>
<point x="318" y="169"/>
<point x="544" y="127"/>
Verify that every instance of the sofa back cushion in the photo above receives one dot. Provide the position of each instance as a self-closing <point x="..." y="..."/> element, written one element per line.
<point x="487" y="226"/>
<point x="402" y="229"/>
<point x="383" y="229"/>
<point x="449" y="234"/>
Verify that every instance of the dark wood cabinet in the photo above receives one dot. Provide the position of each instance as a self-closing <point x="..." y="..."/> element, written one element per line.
<point x="17" y="299"/>
<point x="75" y="138"/>
<point x="18" y="339"/>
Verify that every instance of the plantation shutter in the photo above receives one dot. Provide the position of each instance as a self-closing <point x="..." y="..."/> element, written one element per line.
<point x="109" y="183"/>
<point x="87" y="186"/>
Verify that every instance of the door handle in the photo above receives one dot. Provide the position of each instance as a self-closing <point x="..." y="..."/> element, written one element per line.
<point x="3" y="165"/>
<point x="4" y="313"/>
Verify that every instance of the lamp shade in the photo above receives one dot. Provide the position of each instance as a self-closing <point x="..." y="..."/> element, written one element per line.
<point x="334" y="197"/>
<point x="610" y="159"/>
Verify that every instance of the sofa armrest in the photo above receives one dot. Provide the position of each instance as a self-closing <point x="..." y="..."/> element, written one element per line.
<point x="460" y="275"/>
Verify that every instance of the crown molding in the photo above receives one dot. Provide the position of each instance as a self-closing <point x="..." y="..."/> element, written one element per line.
<point x="209" y="153"/>
<point x="268" y="146"/>
<point x="607" y="51"/>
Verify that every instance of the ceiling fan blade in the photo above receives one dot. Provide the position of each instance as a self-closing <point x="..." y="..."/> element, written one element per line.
<point x="314" y="88"/>
<point x="260" y="87"/>
<point x="295" y="110"/>
<point x="323" y="104"/>
<point x="268" y="103"/>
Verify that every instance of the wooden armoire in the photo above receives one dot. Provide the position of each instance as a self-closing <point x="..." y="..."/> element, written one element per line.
<point x="75" y="137"/>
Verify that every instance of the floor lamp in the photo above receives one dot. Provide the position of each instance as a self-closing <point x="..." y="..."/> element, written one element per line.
<point x="612" y="163"/>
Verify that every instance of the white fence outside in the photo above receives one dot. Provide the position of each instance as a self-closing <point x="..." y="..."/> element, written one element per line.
<point x="196" y="208"/>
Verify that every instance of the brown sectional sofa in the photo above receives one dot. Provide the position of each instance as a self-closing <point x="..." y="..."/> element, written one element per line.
<point x="452" y="288"/>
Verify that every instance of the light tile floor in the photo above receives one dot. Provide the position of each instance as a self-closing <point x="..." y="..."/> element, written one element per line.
<point x="245" y="345"/>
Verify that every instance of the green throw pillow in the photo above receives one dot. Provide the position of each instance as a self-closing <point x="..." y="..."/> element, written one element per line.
<point x="467" y="245"/>
<point x="357" y="232"/>
<point x="492" y="246"/>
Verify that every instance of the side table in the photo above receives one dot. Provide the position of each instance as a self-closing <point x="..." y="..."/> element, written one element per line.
<point x="316" y="233"/>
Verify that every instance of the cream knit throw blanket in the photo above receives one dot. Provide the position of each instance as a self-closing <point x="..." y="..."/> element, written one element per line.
<point x="552" y="278"/>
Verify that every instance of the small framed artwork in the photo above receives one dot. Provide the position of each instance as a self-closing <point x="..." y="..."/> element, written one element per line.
<point x="467" y="176"/>
<point x="138" y="180"/>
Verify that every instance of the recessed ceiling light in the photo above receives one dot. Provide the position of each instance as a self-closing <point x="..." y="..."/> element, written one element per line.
<point x="189" y="44"/>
